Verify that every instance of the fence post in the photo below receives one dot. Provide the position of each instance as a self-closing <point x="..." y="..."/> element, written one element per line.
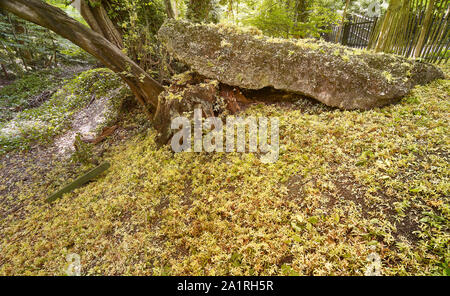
<point x="346" y="31"/>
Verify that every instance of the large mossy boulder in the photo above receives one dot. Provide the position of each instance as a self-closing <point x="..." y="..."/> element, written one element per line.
<point x="335" y="75"/>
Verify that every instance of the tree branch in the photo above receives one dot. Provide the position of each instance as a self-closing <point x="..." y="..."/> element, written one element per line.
<point x="111" y="56"/>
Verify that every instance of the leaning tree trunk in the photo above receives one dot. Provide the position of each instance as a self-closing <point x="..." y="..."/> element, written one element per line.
<point x="145" y="88"/>
<point x="97" y="18"/>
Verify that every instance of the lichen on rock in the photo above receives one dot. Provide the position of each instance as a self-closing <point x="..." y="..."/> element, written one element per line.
<point x="335" y="75"/>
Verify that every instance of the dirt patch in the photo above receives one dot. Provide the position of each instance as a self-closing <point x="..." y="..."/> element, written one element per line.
<point x="22" y="169"/>
<point x="347" y="189"/>
<point x="351" y="190"/>
<point x="286" y="100"/>
<point x="4" y="82"/>
<point x="19" y="170"/>
<point x="407" y="226"/>
<point x="295" y="187"/>
<point x="85" y="122"/>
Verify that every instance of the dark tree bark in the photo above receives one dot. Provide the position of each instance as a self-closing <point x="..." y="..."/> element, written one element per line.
<point x="4" y="71"/>
<point x="99" y="21"/>
<point x="145" y="88"/>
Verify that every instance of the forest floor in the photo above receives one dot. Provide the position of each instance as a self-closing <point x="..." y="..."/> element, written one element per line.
<point x="347" y="185"/>
<point x="4" y="82"/>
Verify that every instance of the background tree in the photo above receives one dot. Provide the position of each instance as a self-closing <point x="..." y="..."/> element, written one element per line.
<point x="203" y="11"/>
<point x="25" y="47"/>
<point x="344" y="15"/>
<point x="425" y="28"/>
<point x="293" y="18"/>
<point x="129" y="24"/>
<point x="145" y="88"/>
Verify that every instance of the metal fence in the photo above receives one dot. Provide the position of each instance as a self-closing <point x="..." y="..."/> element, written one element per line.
<point x="437" y="38"/>
<point x="358" y="30"/>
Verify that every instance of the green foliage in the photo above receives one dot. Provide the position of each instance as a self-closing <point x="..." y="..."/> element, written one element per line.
<point x="344" y="180"/>
<point x="31" y="44"/>
<point x="96" y="82"/>
<point x="362" y="6"/>
<point x="203" y="11"/>
<point x="294" y="19"/>
<point x="83" y="151"/>
<point x="17" y="95"/>
<point x="72" y="54"/>
<point x="139" y="22"/>
<point x="25" y="46"/>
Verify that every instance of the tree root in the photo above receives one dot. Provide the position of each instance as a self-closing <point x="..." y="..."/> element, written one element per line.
<point x="191" y="91"/>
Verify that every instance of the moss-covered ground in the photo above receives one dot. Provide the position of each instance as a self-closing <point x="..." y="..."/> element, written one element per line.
<point x="39" y="106"/>
<point x="347" y="184"/>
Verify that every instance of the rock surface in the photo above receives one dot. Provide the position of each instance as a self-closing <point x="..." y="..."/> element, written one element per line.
<point x="335" y="75"/>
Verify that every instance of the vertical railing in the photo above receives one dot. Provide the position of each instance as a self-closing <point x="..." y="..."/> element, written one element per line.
<point x="358" y="32"/>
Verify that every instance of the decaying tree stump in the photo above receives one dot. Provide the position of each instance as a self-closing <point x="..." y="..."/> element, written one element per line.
<point x="190" y="91"/>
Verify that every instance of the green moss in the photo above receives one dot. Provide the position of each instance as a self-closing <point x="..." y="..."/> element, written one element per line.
<point x="230" y="28"/>
<point x="44" y="122"/>
<point x="388" y="76"/>
<point x="225" y="43"/>
<point x="17" y="95"/>
<point x="347" y="183"/>
<point x="308" y="44"/>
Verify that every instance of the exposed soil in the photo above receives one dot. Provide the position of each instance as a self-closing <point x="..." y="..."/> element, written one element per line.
<point x="286" y="100"/>
<point x="84" y="123"/>
<point x="18" y="169"/>
<point x="22" y="168"/>
<point x="349" y="190"/>
<point x="4" y="82"/>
